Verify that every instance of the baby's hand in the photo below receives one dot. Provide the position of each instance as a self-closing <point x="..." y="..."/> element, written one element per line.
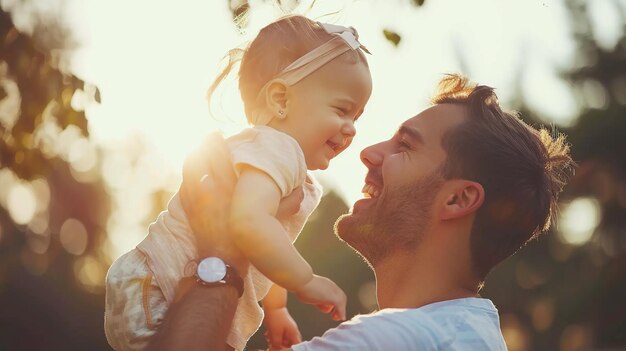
<point x="326" y="295"/>
<point x="282" y="331"/>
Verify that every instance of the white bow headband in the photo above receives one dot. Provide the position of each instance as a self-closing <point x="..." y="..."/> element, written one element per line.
<point x="344" y="39"/>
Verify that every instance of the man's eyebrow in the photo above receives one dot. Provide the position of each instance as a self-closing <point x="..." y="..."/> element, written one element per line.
<point x="412" y="132"/>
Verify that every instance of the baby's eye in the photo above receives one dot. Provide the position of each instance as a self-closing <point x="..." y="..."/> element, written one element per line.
<point x="341" y="111"/>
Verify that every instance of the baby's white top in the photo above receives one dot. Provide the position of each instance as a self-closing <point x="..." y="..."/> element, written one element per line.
<point x="170" y="243"/>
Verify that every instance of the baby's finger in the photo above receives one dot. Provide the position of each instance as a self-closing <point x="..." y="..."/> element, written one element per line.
<point x="275" y="339"/>
<point x="292" y="337"/>
<point x="340" y="311"/>
<point x="336" y="316"/>
<point x="325" y="308"/>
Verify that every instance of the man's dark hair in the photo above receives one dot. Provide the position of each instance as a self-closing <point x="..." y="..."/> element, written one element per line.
<point x="522" y="170"/>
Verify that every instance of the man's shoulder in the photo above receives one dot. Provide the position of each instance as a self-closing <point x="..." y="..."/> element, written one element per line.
<point x="452" y="325"/>
<point x="388" y="329"/>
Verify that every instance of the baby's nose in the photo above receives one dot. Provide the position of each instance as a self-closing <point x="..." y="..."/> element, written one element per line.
<point x="348" y="129"/>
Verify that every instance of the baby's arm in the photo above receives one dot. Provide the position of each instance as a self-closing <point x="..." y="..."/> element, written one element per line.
<point x="282" y="330"/>
<point x="260" y="236"/>
<point x="266" y="244"/>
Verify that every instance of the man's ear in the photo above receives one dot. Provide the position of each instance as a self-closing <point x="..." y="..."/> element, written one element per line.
<point x="465" y="198"/>
<point x="276" y="98"/>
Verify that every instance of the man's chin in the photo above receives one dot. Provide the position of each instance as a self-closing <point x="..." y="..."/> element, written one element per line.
<point x="354" y="230"/>
<point x="362" y="205"/>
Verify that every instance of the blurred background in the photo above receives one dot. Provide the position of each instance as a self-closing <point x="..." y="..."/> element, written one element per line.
<point x="101" y="100"/>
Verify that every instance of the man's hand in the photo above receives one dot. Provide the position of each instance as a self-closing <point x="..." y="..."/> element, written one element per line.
<point x="206" y="193"/>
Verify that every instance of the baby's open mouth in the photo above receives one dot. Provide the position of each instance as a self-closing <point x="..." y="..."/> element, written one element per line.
<point x="336" y="147"/>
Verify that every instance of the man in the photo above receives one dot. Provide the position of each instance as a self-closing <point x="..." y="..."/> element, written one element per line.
<point x="459" y="188"/>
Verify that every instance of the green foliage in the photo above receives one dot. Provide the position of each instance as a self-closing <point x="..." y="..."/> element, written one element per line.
<point x="43" y="87"/>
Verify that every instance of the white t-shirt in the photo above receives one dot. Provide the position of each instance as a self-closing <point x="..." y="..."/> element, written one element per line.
<point x="463" y="324"/>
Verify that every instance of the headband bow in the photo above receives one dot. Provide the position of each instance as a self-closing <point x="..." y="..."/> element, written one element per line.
<point x="349" y="34"/>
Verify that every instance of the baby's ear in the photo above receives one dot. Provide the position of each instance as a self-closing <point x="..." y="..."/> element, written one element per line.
<point x="465" y="197"/>
<point x="276" y="98"/>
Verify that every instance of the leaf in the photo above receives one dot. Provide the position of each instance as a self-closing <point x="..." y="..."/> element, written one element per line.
<point x="392" y="36"/>
<point x="96" y="96"/>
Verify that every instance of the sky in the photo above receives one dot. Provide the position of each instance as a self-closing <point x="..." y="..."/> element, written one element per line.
<point x="154" y="60"/>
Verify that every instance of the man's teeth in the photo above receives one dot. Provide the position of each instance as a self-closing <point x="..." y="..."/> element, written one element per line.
<point x="370" y="191"/>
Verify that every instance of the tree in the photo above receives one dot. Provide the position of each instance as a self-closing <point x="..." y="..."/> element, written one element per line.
<point x="53" y="220"/>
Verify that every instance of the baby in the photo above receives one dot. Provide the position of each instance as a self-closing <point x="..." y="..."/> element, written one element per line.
<point x="304" y="85"/>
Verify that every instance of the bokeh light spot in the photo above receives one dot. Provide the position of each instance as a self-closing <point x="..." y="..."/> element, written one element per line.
<point x="82" y="155"/>
<point x="35" y="264"/>
<point x="578" y="221"/>
<point x="41" y="188"/>
<point x="73" y="236"/>
<point x="575" y="337"/>
<point x="514" y="333"/>
<point x="38" y="243"/>
<point x="39" y="224"/>
<point x="542" y="314"/>
<point x="90" y="273"/>
<point x="22" y="203"/>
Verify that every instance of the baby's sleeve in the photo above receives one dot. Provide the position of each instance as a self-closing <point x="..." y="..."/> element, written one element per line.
<point x="274" y="153"/>
<point x="134" y="303"/>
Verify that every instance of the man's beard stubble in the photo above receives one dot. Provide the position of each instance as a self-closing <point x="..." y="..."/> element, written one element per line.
<point x="396" y="221"/>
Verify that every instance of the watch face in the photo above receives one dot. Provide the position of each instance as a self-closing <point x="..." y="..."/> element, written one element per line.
<point x="211" y="269"/>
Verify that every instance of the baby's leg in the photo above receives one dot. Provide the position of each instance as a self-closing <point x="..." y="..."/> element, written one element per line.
<point x="229" y="348"/>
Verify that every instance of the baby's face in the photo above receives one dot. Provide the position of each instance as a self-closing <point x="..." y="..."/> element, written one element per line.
<point x="323" y="107"/>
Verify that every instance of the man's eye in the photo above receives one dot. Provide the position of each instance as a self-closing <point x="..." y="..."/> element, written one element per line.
<point x="404" y="144"/>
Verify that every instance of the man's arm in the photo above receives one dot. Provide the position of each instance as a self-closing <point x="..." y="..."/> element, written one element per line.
<point x="199" y="319"/>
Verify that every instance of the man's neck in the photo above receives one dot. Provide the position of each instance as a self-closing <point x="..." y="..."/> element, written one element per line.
<point x="412" y="280"/>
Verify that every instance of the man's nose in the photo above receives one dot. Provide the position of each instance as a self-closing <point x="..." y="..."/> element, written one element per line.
<point x="373" y="155"/>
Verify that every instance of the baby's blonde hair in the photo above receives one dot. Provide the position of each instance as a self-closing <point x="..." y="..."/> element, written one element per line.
<point x="275" y="47"/>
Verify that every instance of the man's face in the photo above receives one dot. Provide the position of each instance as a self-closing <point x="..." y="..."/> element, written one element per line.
<point x="401" y="186"/>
